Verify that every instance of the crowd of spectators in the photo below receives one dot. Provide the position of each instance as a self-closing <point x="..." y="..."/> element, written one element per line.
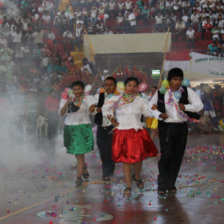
<point x="189" y="20"/>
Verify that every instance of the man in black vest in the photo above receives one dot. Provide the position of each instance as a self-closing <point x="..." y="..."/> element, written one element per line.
<point x="178" y="105"/>
<point x="104" y="129"/>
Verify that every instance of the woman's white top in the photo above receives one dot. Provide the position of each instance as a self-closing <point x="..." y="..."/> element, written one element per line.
<point x="82" y="115"/>
<point x="129" y="115"/>
<point x="172" y="109"/>
<point x="108" y="99"/>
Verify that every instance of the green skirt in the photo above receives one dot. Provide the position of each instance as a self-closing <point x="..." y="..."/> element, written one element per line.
<point x="78" y="139"/>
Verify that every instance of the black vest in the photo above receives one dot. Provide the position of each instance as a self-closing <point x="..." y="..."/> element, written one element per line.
<point x="183" y="100"/>
<point x="98" y="120"/>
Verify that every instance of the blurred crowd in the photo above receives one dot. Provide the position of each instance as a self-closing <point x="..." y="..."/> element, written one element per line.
<point x="213" y="114"/>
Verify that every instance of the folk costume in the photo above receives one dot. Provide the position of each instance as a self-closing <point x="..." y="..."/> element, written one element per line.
<point x="104" y="134"/>
<point x="131" y="142"/>
<point x="173" y="131"/>
<point x="78" y="136"/>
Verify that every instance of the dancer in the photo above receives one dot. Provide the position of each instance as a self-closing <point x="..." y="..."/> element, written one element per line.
<point x="78" y="136"/>
<point x="173" y="128"/>
<point x="131" y="142"/>
<point x="104" y="127"/>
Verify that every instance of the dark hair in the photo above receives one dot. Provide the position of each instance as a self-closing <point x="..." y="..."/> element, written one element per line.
<point x="78" y="83"/>
<point x="129" y="79"/>
<point x="155" y="87"/>
<point x="112" y="79"/>
<point x="175" y="72"/>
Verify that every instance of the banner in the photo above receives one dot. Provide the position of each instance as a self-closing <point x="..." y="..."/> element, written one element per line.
<point x="127" y="43"/>
<point x="180" y="59"/>
<point x="207" y="64"/>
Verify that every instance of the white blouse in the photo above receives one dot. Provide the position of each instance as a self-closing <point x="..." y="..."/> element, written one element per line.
<point x="109" y="101"/>
<point x="195" y="105"/>
<point x="82" y="115"/>
<point x="129" y="115"/>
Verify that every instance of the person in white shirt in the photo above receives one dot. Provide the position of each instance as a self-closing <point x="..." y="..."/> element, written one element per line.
<point x="112" y="8"/>
<point x="105" y="127"/>
<point x="180" y="29"/>
<point x="78" y="36"/>
<point x="46" y="18"/>
<point x="132" y="21"/>
<point x="159" y="22"/>
<point x="190" y="36"/>
<point x="195" y="18"/>
<point x="78" y="136"/>
<point x="17" y="36"/>
<point x="131" y="142"/>
<point x="68" y="34"/>
<point x="128" y="4"/>
<point x="175" y="106"/>
<point x="93" y="15"/>
<point x="119" y="22"/>
<point x="51" y="35"/>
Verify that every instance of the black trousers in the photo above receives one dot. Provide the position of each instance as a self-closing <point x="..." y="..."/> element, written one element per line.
<point x="173" y="139"/>
<point x="104" y="143"/>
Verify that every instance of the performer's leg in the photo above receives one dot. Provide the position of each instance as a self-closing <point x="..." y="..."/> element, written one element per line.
<point x="80" y="163"/>
<point x="127" y="175"/>
<point x="137" y="169"/>
<point x="137" y="177"/>
<point x="166" y="146"/>
<point x="179" y="146"/>
<point x="104" y="142"/>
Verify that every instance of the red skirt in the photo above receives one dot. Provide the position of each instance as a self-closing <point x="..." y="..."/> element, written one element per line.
<point x="131" y="146"/>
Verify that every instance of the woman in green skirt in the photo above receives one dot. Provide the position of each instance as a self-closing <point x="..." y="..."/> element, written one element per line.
<point x="78" y="136"/>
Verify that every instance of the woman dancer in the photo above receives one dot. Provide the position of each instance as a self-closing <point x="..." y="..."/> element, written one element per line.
<point x="78" y="137"/>
<point x="131" y="142"/>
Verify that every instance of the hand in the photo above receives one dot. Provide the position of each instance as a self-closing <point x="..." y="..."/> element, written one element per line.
<point x="164" y="116"/>
<point x="99" y="109"/>
<point x="113" y="121"/>
<point x="181" y="106"/>
<point x="154" y="107"/>
<point x="70" y="98"/>
<point x="92" y="108"/>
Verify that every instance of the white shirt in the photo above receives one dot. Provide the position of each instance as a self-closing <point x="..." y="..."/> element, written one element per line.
<point x="190" y="33"/>
<point x="159" y="19"/>
<point x="195" y="105"/>
<point x="46" y="18"/>
<point x="129" y="115"/>
<point x="82" y="115"/>
<point x="78" y="31"/>
<point x="132" y="19"/>
<point x="93" y="13"/>
<point x="17" y="37"/>
<point x="108" y="100"/>
<point x="120" y="5"/>
<point x="111" y="5"/>
<point x="51" y="36"/>
<point x="128" y="5"/>
<point x="194" y="18"/>
<point x="68" y="34"/>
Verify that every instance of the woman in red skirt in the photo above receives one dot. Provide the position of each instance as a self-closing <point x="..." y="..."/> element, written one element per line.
<point x="131" y="141"/>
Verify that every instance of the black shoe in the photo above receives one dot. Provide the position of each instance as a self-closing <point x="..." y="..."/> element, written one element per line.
<point x="139" y="183"/>
<point x="161" y="191"/>
<point x="172" y="190"/>
<point x="127" y="191"/>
